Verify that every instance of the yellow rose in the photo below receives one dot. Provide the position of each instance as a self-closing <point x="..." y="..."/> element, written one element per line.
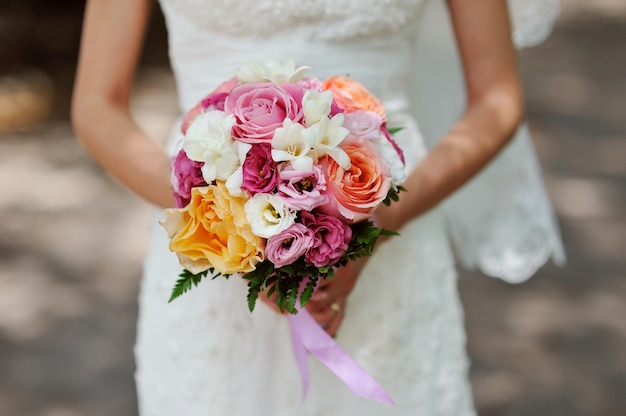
<point x="212" y="232"/>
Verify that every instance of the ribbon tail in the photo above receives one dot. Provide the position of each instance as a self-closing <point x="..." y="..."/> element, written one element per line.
<point x="307" y="335"/>
<point x="301" y="355"/>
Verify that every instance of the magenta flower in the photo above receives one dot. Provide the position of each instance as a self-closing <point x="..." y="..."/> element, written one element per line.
<point x="330" y="238"/>
<point x="260" y="172"/>
<point x="261" y="108"/>
<point x="302" y="189"/>
<point x="288" y="246"/>
<point x="186" y="174"/>
<point x="214" y="102"/>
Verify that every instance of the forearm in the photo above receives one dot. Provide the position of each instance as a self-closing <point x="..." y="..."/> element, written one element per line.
<point x="478" y="136"/>
<point x="114" y="141"/>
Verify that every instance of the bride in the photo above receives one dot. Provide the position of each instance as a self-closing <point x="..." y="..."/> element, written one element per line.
<point x="398" y="313"/>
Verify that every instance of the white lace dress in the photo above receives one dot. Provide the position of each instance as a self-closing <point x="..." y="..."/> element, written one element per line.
<point x="206" y="354"/>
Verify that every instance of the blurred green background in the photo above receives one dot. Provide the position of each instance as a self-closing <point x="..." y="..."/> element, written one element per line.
<point x="71" y="240"/>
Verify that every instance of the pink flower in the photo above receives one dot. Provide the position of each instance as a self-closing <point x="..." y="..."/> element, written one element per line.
<point x="311" y="83"/>
<point x="186" y="174"/>
<point x="330" y="238"/>
<point x="288" y="246"/>
<point x="226" y="86"/>
<point x="260" y="172"/>
<point x="213" y="101"/>
<point x="357" y="191"/>
<point x="334" y="109"/>
<point x="261" y="108"/>
<point x="302" y="189"/>
<point x="363" y="124"/>
<point x="191" y="115"/>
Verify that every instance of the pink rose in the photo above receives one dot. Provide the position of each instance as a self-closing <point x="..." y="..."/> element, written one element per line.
<point x="356" y="192"/>
<point x="261" y="108"/>
<point x="288" y="246"/>
<point x="260" y="172"/>
<point x="331" y="238"/>
<point x="302" y="189"/>
<point x="363" y="124"/>
<point x="186" y="174"/>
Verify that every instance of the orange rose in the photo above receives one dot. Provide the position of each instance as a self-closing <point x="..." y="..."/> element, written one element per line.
<point x="351" y="95"/>
<point x="212" y="232"/>
<point x="356" y="192"/>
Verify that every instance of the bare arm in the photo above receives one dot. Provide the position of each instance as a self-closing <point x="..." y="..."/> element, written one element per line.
<point x="494" y="110"/>
<point x="112" y="37"/>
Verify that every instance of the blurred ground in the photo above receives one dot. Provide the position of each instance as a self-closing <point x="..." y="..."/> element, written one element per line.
<point x="71" y="241"/>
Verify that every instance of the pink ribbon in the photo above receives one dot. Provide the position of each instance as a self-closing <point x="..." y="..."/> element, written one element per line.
<point x="308" y="337"/>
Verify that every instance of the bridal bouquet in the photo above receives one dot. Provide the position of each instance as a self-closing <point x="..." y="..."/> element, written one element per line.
<point x="277" y="179"/>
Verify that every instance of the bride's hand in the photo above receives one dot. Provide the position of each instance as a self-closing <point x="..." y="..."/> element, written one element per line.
<point x="271" y="302"/>
<point x="328" y="303"/>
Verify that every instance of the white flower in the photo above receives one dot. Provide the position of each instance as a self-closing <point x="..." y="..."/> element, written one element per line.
<point x="235" y="180"/>
<point x="316" y="105"/>
<point x="284" y="73"/>
<point x="391" y="156"/>
<point x="325" y="136"/>
<point x="271" y="71"/>
<point x="250" y="72"/>
<point x="209" y="140"/>
<point x="289" y="145"/>
<point x="268" y="215"/>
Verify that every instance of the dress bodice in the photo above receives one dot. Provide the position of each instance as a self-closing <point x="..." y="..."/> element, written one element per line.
<point x="369" y="40"/>
<point x="332" y="20"/>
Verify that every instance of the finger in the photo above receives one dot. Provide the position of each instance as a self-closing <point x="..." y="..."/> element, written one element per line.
<point x="324" y="317"/>
<point x="334" y="324"/>
<point x="319" y="295"/>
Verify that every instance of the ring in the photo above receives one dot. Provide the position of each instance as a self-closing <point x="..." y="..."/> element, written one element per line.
<point x="335" y="307"/>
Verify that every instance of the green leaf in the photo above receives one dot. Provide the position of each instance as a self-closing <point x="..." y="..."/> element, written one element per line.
<point x="271" y="291"/>
<point x="306" y="294"/>
<point x="253" y="295"/>
<point x="394" y="130"/>
<point x="186" y="282"/>
<point x="292" y="297"/>
<point x="392" y="195"/>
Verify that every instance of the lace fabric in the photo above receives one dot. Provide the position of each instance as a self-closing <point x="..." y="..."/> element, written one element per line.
<point x="532" y="20"/>
<point x="311" y="19"/>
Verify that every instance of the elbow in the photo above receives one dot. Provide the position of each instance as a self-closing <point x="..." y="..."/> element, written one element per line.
<point x="506" y="106"/>
<point x="80" y="114"/>
<point x="83" y="111"/>
<point x="90" y="113"/>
